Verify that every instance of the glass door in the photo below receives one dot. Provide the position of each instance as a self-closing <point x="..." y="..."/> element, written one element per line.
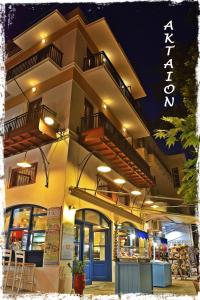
<point x="87" y="252"/>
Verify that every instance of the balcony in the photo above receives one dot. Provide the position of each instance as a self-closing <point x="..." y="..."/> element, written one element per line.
<point x="99" y="135"/>
<point x="29" y="131"/>
<point x="40" y="66"/>
<point x="107" y="83"/>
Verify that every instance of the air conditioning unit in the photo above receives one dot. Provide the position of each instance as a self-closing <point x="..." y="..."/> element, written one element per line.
<point x="154" y="225"/>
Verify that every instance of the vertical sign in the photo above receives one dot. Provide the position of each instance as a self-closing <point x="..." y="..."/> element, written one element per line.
<point x="52" y="241"/>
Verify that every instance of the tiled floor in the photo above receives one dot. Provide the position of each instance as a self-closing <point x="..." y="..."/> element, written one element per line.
<point x="179" y="287"/>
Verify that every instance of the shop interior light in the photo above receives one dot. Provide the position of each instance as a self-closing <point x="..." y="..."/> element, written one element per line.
<point x="154" y="206"/>
<point x="136" y="193"/>
<point x="119" y="181"/>
<point x="24" y="163"/>
<point x="148" y="201"/>
<point x="49" y="120"/>
<point x="103" y="169"/>
<point x="34" y="89"/>
<point x="124" y="129"/>
<point x="132" y="236"/>
<point x="43" y="41"/>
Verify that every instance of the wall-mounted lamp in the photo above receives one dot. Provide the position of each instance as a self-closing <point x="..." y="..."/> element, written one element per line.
<point x="124" y="129"/>
<point x="49" y="120"/>
<point x="148" y="201"/>
<point x="43" y="41"/>
<point x="104" y="106"/>
<point x="154" y="206"/>
<point x="24" y="163"/>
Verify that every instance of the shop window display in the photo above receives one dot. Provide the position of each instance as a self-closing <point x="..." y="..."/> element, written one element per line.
<point x="25" y="228"/>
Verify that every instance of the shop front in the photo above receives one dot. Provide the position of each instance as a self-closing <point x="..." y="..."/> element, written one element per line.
<point x="93" y="244"/>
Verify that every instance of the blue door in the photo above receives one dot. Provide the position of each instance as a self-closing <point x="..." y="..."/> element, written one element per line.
<point x="83" y="248"/>
<point x="93" y="244"/>
<point x="101" y="255"/>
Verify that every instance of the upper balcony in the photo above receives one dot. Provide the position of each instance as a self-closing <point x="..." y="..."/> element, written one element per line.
<point x="29" y="130"/>
<point x="99" y="135"/>
<point x="39" y="67"/>
<point x="108" y="84"/>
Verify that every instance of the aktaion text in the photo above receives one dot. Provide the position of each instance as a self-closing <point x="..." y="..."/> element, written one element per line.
<point x="170" y="87"/>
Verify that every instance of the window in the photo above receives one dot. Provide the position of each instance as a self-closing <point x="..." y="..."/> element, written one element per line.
<point x="99" y="245"/>
<point x="175" y="176"/>
<point x="104" y="184"/>
<point x="25" y="226"/>
<point x="23" y="176"/>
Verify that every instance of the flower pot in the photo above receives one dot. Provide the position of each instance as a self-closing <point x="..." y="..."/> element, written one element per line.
<point x="79" y="283"/>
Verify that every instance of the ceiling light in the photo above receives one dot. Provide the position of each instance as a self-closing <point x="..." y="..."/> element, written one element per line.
<point x="119" y="181"/>
<point x="136" y="193"/>
<point x="43" y="41"/>
<point x="23" y="164"/>
<point x="103" y="169"/>
<point x="34" y="89"/>
<point x="49" y="120"/>
<point x="154" y="206"/>
<point x="148" y="201"/>
<point x="124" y="129"/>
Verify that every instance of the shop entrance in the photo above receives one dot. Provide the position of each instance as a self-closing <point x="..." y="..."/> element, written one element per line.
<point x="93" y="244"/>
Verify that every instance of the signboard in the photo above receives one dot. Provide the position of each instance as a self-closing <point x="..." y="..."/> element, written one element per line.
<point x="67" y="241"/>
<point x="52" y="241"/>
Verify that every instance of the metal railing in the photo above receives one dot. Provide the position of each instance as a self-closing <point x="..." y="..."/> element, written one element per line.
<point x="27" y="118"/>
<point x="50" y="51"/>
<point x="101" y="58"/>
<point x="99" y="120"/>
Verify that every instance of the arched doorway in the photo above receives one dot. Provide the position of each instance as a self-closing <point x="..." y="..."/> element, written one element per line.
<point x="93" y="244"/>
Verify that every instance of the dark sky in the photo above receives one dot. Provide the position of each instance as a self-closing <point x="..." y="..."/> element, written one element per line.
<point x="138" y="27"/>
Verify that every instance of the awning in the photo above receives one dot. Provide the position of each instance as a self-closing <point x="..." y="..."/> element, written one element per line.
<point x="106" y="204"/>
<point x="163" y="240"/>
<point x="141" y="234"/>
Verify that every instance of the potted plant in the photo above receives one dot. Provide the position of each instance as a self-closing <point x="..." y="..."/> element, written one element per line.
<point x="79" y="275"/>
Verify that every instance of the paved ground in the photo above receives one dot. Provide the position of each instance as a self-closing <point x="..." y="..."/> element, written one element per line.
<point x="179" y="287"/>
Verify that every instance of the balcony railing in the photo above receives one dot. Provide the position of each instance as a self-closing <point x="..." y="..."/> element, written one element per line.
<point x="50" y="51"/>
<point x="101" y="58"/>
<point x="28" y="117"/>
<point x="99" y="120"/>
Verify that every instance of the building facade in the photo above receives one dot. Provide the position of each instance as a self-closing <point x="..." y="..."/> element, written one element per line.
<point x="72" y="106"/>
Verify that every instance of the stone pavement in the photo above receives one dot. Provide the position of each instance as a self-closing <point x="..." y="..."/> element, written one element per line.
<point x="179" y="287"/>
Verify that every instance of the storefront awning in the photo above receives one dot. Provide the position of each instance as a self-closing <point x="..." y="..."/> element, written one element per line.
<point x="141" y="234"/>
<point x="106" y="204"/>
<point x="173" y="217"/>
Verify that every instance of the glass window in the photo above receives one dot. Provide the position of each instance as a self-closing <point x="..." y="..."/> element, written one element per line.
<point x="37" y="241"/>
<point x="7" y="220"/>
<point x="86" y="250"/>
<point x="92" y="217"/>
<point x="79" y="215"/>
<point x="104" y="223"/>
<point x="99" y="245"/>
<point x="18" y="239"/>
<point x="77" y="242"/>
<point x="39" y="222"/>
<point x="21" y="217"/>
<point x="39" y="210"/>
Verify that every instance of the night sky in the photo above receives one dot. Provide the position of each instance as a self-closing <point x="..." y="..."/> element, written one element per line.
<point x="138" y="27"/>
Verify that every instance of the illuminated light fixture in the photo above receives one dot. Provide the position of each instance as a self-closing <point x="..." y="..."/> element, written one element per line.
<point x="24" y="163"/>
<point x="34" y="89"/>
<point x="49" y="120"/>
<point x="136" y="193"/>
<point x="43" y="41"/>
<point x="104" y="106"/>
<point x="124" y="129"/>
<point x="119" y="181"/>
<point x="148" y="202"/>
<point x="132" y="236"/>
<point x="154" y="206"/>
<point x="103" y="169"/>
<point x="104" y="59"/>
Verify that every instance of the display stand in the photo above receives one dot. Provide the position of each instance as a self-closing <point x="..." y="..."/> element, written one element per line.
<point x="133" y="277"/>
<point x="162" y="275"/>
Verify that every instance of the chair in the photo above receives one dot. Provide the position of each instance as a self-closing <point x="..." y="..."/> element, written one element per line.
<point x="18" y="269"/>
<point x="6" y="259"/>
